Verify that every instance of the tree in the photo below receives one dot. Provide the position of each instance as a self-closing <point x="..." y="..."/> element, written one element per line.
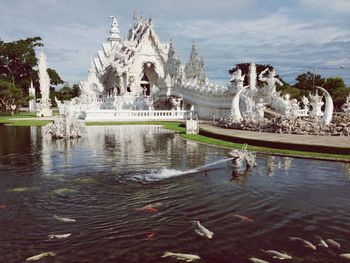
<point x="66" y="93"/>
<point x="17" y="60"/>
<point x="18" y="67"/>
<point x="288" y="89"/>
<point x="337" y="89"/>
<point x="10" y="95"/>
<point x="307" y="82"/>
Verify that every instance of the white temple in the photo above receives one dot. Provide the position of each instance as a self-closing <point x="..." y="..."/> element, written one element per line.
<point x="142" y="78"/>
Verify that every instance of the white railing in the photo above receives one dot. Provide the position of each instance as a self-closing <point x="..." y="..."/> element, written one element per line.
<point x="138" y="115"/>
<point x="302" y="113"/>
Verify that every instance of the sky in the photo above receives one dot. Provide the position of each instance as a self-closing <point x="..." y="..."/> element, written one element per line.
<point x="291" y="35"/>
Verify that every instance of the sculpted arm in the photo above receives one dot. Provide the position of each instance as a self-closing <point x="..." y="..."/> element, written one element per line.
<point x="261" y="78"/>
<point x="279" y="82"/>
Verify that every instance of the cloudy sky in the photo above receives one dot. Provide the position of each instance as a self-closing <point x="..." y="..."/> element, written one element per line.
<point x="291" y="35"/>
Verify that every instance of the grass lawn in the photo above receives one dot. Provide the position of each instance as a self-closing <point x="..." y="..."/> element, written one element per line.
<point x="9" y="120"/>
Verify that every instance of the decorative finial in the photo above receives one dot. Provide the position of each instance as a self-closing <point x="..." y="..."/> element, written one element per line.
<point x="114" y="32"/>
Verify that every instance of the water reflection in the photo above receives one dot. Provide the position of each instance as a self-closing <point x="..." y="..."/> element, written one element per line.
<point x="104" y="179"/>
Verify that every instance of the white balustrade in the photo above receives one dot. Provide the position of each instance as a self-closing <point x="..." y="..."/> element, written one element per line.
<point x="135" y="115"/>
<point x="302" y="113"/>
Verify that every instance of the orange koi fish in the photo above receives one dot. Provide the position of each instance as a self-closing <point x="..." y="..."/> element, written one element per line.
<point x="147" y="208"/>
<point x="150" y="236"/>
<point x="244" y="218"/>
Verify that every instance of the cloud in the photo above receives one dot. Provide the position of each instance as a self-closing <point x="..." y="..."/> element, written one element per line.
<point x="289" y="35"/>
<point x="337" y="6"/>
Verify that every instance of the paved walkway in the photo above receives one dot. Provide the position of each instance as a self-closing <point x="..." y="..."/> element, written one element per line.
<point x="327" y="144"/>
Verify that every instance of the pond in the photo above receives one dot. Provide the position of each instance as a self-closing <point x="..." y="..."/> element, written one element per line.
<point x="134" y="190"/>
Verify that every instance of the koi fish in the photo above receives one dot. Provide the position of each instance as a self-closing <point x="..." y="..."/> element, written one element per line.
<point x="150" y="236"/>
<point x="305" y="242"/>
<point x="180" y="256"/>
<point x="276" y="254"/>
<point x="322" y="242"/>
<point x="202" y="231"/>
<point x="257" y="260"/>
<point x="40" y="256"/>
<point x="148" y="208"/>
<point x="2" y="206"/>
<point x="244" y="218"/>
<point x="64" y="219"/>
<point x="346" y="255"/>
<point x="59" y="236"/>
<point x="333" y="243"/>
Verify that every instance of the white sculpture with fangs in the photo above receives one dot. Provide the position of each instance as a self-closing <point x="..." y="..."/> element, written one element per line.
<point x="328" y="112"/>
<point x="243" y="159"/>
<point x="235" y="109"/>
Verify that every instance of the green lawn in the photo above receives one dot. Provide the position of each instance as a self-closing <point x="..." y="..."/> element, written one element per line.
<point x="9" y="120"/>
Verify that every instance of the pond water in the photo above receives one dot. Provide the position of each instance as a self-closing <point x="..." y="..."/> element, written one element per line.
<point x="134" y="190"/>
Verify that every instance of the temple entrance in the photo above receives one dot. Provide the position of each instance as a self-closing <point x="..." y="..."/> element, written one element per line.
<point x="145" y="85"/>
<point x="149" y="78"/>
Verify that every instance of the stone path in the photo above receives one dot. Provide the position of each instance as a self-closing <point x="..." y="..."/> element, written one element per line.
<point x="328" y="144"/>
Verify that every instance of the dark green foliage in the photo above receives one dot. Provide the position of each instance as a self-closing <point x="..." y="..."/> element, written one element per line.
<point x="245" y="71"/>
<point x="337" y="89"/>
<point x="307" y="82"/>
<point x="10" y="95"/>
<point x="65" y="93"/>
<point x="17" y="60"/>
<point x="17" y="66"/>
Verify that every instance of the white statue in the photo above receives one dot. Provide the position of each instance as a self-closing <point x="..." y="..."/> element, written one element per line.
<point x="346" y="105"/>
<point x="32" y="102"/>
<point x="235" y="110"/>
<point x="260" y="109"/>
<point x="237" y="80"/>
<point x="294" y="107"/>
<point x="65" y="126"/>
<point x="306" y="103"/>
<point x="328" y="111"/>
<point x="316" y="104"/>
<point x="176" y="102"/>
<point x="149" y="103"/>
<point x="252" y="77"/>
<point x="271" y="80"/>
<point x="243" y="158"/>
<point x="44" y="81"/>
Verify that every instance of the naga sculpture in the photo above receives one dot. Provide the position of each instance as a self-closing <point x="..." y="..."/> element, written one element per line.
<point x="328" y="112"/>
<point x="235" y="110"/>
<point x="243" y="158"/>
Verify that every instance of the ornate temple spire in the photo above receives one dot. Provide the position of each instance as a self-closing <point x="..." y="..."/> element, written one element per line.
<point x="114" y="32"/>
<point x="194" y="68"/>
<point x="173" y="65"/>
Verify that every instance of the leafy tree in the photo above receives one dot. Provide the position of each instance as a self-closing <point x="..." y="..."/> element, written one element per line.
<point x="288" y="89"/>
<point x="76" y="90"/>
<point x="337" y="89"/>
<point x="18" y="67"/>
<point x="10" y="95"/>
<point x="307" y="82"/>
<point x="17" y="60"/>
<point x="66" y="93"/>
